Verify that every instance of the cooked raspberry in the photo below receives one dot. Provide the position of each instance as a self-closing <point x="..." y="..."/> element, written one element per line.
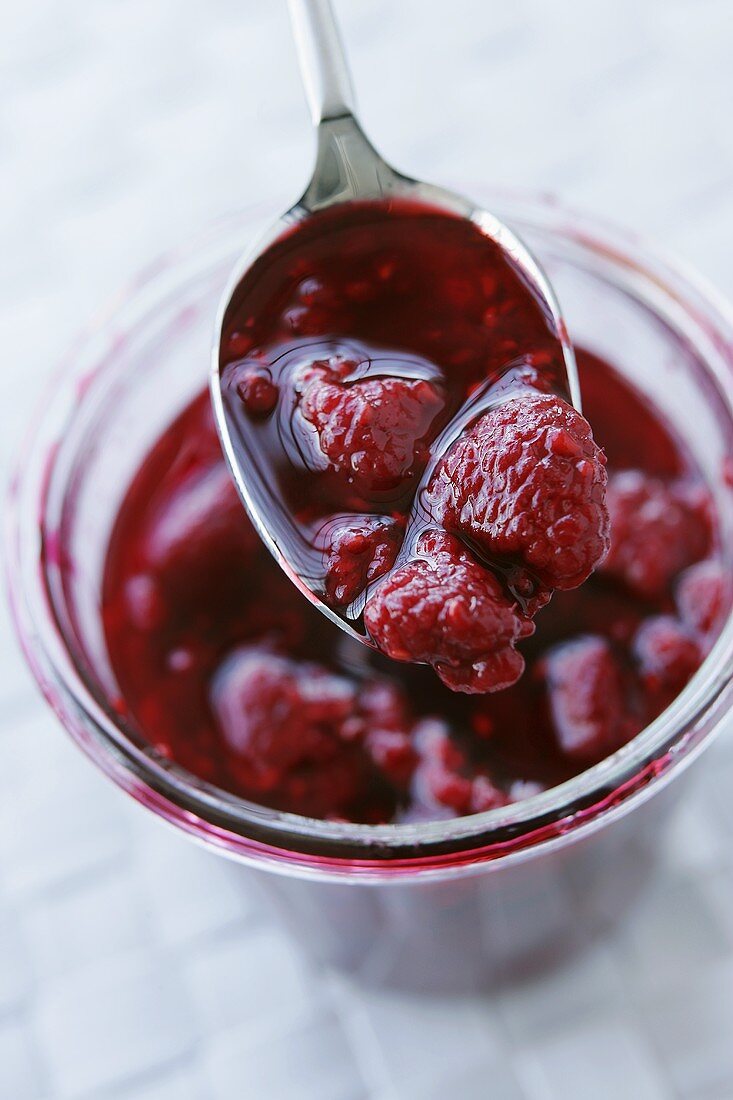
<point x="526" y="589"/>
<point x="283" y="720"/>
<point x="375" y="431"/>
<point x="434" y="743"/>
<point x="278" y="713"/>
<point x="314" y="292"/>
<point x="313" y="739"/>
<point x="360" y="552"/>
<point x="587" y="699"/>
<point x="485" y="796"/>
<point x="704" y="596"/>
<point x="528" y="482"/>
<point x="494" y="673"/>
<point x="200" y="528"/>
<point x="238" y="344"/>
<point x="306" y="320"/>
<point x="524" y="788"/>
<point x="443" y="609"/>
<point x="667" y="655"/>
<point x="257" y="389"/>
<point x="439" y="780"/>
<point x="383" y="705"/>
<point x="393" y="753"/>
<point x="387" y="730"/>
<point x="657" y="529"/>
<point x="449" y="789"/>
<point x="445" y="778"/>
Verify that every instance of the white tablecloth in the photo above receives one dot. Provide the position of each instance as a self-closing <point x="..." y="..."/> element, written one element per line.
<point x="124" y="126"/>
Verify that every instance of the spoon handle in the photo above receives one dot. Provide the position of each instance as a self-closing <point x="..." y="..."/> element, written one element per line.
<point x="322" y="59"/>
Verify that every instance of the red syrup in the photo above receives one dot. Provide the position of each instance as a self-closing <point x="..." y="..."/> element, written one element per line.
<point x="230" y="672"/>
<point x="395" y="390"/>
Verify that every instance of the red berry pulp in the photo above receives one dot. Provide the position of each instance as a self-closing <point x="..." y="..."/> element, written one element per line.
<point x="397" y="388"/>
<point x="230" y="672"/>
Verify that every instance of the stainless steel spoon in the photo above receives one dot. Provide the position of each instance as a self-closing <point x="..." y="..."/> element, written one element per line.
<point x="347" y="168"/>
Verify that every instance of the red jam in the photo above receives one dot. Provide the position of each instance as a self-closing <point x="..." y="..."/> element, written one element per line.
<point x="397" y="388"/>
<point x="229" y="671"/>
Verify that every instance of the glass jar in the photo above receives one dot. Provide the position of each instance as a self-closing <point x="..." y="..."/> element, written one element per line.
<point x="437" y="904"/>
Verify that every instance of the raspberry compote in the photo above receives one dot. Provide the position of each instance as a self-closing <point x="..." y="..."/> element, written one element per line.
<point x="396" y="393"/>
<point x="230" y="672"/>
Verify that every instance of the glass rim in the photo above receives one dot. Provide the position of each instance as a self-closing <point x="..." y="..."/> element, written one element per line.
<point x="308" y="845"/>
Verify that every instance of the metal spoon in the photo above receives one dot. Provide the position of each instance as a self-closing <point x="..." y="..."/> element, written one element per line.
<point x="347" y="168"/>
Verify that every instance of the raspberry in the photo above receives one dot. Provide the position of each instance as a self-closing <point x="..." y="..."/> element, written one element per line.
<point x="278" y="713"/>
<point x="444" y="609"/>
<point x="667" y="656"/>
<point x="282" y="721"/>
<point x="444" y="776"/>
<point x="587" y="699"/>
<point x="657" y="529"/>
<point x="449" y="789"/>
<point x="358" y="554"/>
<point x="199" y="529"/>
<point x="383" y="705"/>
<point x="314" y="740"/>
<point x="393" y="753"/>
<point x="375" y="431"/>
<point x="485" y="796"/>
<point x="524" y="788"/>
<point x="388" y="731"/>
<point x="238" y="344"/>
<point x="703" y="596"/>
<point x="312" y="291"/>
<point x="527" y="481"/>
<point x="257" y="389"/>
<point x="439" y="781"/>
<point x="306" y="320"/>
<point x="495" y="673"/>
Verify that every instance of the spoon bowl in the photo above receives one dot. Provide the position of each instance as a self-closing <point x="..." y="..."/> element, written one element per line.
<point x="348" y="169"/>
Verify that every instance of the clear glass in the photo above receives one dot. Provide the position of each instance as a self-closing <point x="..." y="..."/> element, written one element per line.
<point x="483" y="884"/>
